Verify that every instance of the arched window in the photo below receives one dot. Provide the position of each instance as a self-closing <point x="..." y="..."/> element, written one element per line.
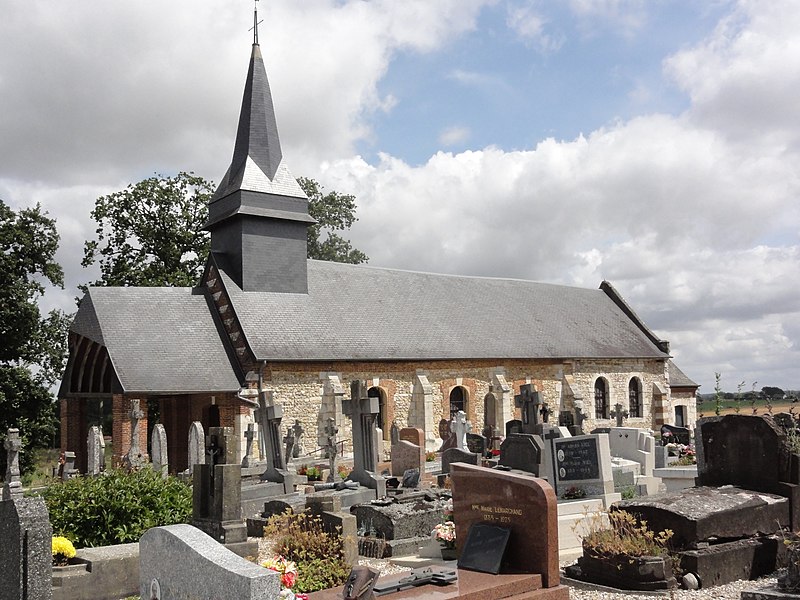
<point x="458" y="400"/>
<point x="376" y="392"/>
<point x="635" y="398"/>
<point x="600" y="399"/>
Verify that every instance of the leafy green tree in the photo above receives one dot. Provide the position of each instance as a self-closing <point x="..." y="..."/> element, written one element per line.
<point x="333" y="212"/>
<point x="772" y="392"/>
<point x="149" y="234"/>
<point x="32" y="347"/>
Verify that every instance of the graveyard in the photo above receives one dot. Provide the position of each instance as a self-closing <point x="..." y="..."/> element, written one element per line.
<point x="540" y="514"/>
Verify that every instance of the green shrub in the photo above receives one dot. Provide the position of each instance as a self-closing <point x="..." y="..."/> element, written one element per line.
<point x="116" y="507"/>
<point x="319" y="555"/>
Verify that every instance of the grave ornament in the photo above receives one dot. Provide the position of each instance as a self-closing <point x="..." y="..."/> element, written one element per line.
<point x="13" y="485"/>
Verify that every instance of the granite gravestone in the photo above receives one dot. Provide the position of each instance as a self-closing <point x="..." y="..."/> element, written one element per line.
<point x="25" y="549"/>
<point x="134" y="457"/>
<point x="405" y="456"/>
<point x="297" y="449"/>
<point x="68" y="468"/>
<point x="158" y="447"/>
<point x="363" y="411"/>
<point x="95" y="448"/>
<point x="249" y="436"/>
<point x="415" y="435"/>
<point x="524" y="505"/>
<point x="454" y="455"/>
<point x="331" y="448"/>
<point x="529" y="402"/>
<point x="584" y="462"/>
<point x="12" y="486"/>
<point x="269" y="415"/>
<point x="522" y="451"/>
<point x="288" y="440"/>
<point x="513" y="426"/>
<point x="476" y="443"/>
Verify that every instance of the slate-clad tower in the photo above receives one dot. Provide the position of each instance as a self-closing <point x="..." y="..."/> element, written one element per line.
<point x="258" y="217"/>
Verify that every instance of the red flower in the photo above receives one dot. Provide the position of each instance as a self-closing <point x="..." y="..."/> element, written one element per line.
<point x="288" y="580"/>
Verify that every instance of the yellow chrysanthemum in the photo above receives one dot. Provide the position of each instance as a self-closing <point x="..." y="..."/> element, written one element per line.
<point x="62" y="546"/>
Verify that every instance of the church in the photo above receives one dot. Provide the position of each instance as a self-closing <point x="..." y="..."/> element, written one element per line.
<point x="264" y="318"/>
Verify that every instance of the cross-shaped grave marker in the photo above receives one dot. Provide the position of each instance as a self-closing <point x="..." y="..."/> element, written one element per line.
<point x="363" y="411"/>
<point x="249" y="435"/>
<point x="551" y="435"/>
<point x="619" y="414"/>
<point x="528" y="401"/>
<point x="330" y="448"/>
<point x="134" y="456"/>
<point x="460" y="427"/>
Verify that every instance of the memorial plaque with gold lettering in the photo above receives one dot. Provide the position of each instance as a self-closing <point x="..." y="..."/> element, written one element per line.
<point x="484" y="549"/>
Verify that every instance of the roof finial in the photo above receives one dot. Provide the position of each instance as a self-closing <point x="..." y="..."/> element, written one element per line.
<point x="256" y="22"/>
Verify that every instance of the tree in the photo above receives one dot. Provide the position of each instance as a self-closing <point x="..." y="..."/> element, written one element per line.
<point x="150" y="234"/>
<point x="32" y="347"/>
<point x="333" y="212"/>
<point x="772" y="392"/>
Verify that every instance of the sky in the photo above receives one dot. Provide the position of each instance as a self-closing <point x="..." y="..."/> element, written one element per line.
<point x="654" y="144"/>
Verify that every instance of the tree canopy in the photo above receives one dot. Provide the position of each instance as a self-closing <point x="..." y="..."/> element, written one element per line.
<point x="150" y="234"/>
<point x="32" y="347"/>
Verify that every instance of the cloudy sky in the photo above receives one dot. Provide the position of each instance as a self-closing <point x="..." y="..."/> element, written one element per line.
<point x="655" y="144"/>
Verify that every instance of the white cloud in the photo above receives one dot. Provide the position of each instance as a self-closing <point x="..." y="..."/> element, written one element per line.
<point x="529" y="24"/>
<point x="627" y="16"/>
<point x="454" y="135"/>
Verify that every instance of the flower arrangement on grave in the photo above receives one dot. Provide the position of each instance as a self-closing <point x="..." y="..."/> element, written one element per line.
<point x="430" y="456"/>
<point x="63" y="550"/>
<point x="313" y="473"/>
<point x="686" y="456"/>
<point x="343" y="471"/>
<point x="287" y="569"/>
<point x="445" y="532"/>
<point x="574" y="493"/>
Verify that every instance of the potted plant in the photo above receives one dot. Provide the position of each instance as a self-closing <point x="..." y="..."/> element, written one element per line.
<point x="63" y="551"/>
<point x="445" y="533"/>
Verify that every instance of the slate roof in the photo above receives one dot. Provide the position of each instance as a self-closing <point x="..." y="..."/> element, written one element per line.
<point x="678" y="378"/>
<point x="355" y="312"/>
<point x="159" y="340"/>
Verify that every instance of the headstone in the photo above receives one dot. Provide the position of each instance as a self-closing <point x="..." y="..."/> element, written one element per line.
<point x="394" y="433"/>
<point x="413" y="435"/>
<point x="134" y="458"/>
<point x="513" y="426"/>
<point x="94" y="451"/>
<point x="545" y="411"/>
<point x="180" y="561"/>
<point x="217" y="490"/>
<point x="528" y="401"/>
<point x="25" y="549"/>
<point x="678" y="435"/>
<point x="411" y="479"/>
<point x="524" y="505"/>
<point x="288" y="440"/>
<point x="619" y="414"/>
<point x="158" y="445"/>
<point x="405" y="456"/>
<point x="363" y="411"/>
<point x="447" y="436"/>
<point x="476" y="443"/>
<point x="522" y="451"/>
<point x="634" y="444"/>
<point x="197" y="444"/>
<point x="69" y="471"/>
<point x="269" y="415"/>
<point x="460" y="427"/>
<point x="249" y="436"/>
<point x="12" y="486"/>
<point x="584" y="462"/>
<point x="485" y="548"/>
<point x="454" y="455"/>
<point x="331" y="447"/>
<point x="298" y="450"/>
<point x="580" y="416"/>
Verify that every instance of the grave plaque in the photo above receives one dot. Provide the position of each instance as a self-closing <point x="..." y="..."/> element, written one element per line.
<point x="484" y="548"/>
<point x="412" y="434"/>
<point x="476" y="443"/>
<point x="577" y="459"/>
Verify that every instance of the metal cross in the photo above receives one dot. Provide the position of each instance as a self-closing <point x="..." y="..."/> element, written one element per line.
<point x="256" y="23"/>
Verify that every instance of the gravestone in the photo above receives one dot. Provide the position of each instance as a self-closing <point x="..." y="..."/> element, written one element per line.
<point x="68" y="469"/>
<point x="522" y="451"/>
<point x="454" y="455"/>
<point x="134" y="458"/>
<point x="331" y="448"/>
<point x="269" y="415"/>
<point x="580" y="417"/>
<point x="619" y="414"/>
<point x="197" y="445"/>
<point x="529" y="402"/>
<point x="297" y="449"/>
<point x="678" y="435"/>
<point x="288" y="440"/>
<point x="638" y="445"/>
<point x="405" y="456"/>
<point x="158" y="445"/>
<point x="460" y="427"/>
<point x="94" y="448"/>
<point x="524" y="505"/>
<point x="584" y="462"/>
<point x="25" y="549"/>
<point x="394" y="433"/>
<point x="545" y="411"/>
<point x="249" y="436"/>
<point x="180" y="561"/>
<point x="476" y="443"/>
<point x="217" y="490"/>
<point x="12" y="485"/>
<point x="363" y="411"/>
<point x="513" y="426"/>
<point x="413" y="435"/>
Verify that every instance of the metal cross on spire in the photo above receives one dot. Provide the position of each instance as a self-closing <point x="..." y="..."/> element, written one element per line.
<point x="256" y="23"/>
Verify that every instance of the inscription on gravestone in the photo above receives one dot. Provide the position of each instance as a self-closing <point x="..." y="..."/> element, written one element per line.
<point x="577" y="459"/>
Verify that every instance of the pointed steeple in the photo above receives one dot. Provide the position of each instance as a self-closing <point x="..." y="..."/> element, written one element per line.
<point x="258" y="217"/>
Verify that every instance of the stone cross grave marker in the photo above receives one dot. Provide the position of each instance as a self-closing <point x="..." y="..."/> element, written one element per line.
<point x="545" y="411"/>
<point x="363" y="411"/>
<point x="331" y="449"/>
<point x="158" y="446"/>
<point x="134" y="459"/>
<point x="619" y="414"/>
<point x="197" y="444"/>
<point x="298" y="439"/>
<point x="580" y="415"/>
<point x="269" y="415"/>
<point x="13" y="485"/>
<point x="394" y="433"/>
<point x="288" y="440"/>
<point x="94" y="447"/>
<point x="528" y="401"/>
<point x="249" y="435"/>
<point x="460" y="427"/>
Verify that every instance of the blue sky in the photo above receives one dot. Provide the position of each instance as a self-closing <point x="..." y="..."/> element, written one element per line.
<point x="651" y="143"/>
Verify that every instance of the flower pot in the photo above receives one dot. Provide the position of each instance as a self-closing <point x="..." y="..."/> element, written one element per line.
<point x="449" y="553"/>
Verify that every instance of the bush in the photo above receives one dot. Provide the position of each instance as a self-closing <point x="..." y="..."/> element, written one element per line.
<point x="319" y="555"/>
<point x="626" y="535"/>
<point x="116" y="507"/>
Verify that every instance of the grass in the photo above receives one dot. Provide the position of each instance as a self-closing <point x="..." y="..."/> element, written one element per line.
<point x="708" y="407"/>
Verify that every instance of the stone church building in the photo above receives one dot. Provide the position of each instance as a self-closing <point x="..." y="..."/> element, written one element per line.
<point x="265" y="317"/>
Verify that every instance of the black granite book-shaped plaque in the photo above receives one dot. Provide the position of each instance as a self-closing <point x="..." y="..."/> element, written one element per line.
<point x="483" y="551"/>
